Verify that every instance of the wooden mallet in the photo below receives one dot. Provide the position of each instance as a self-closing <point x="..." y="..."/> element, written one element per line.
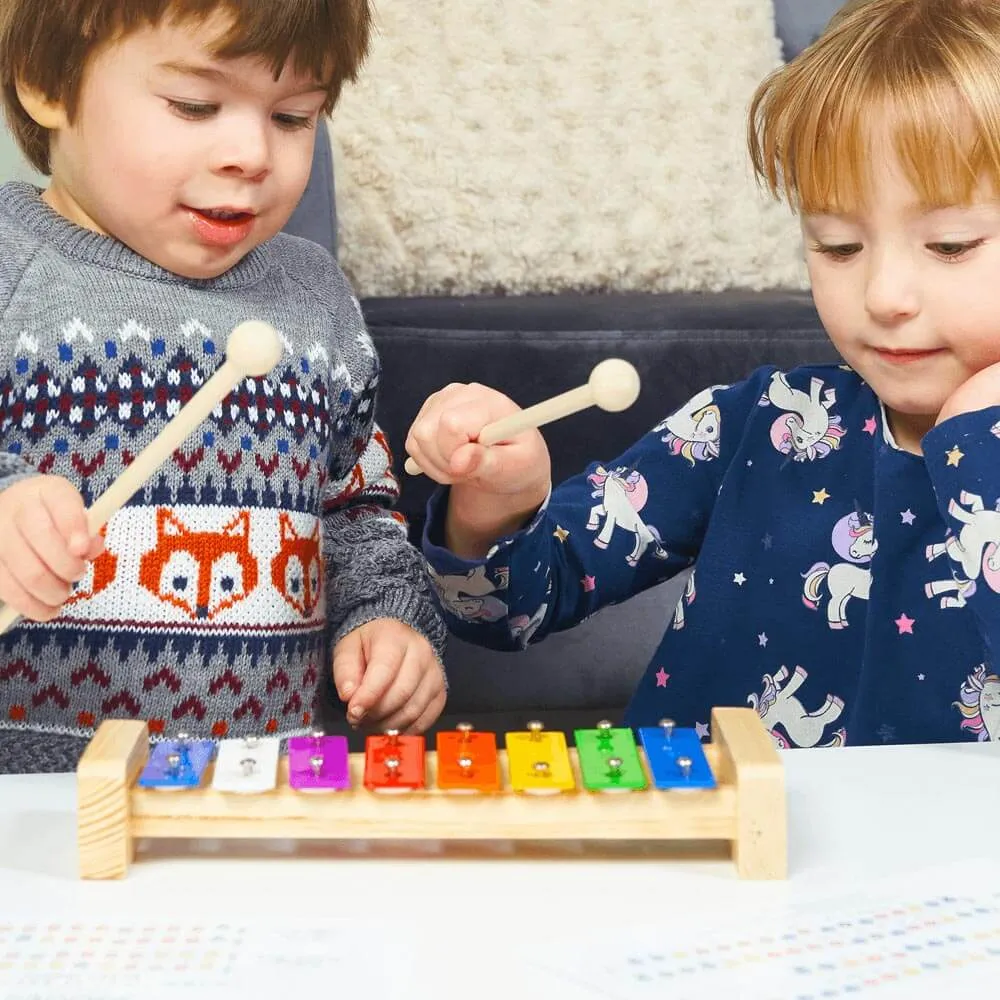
<point x="253" y="348"/>
<point x="613" y="386"/>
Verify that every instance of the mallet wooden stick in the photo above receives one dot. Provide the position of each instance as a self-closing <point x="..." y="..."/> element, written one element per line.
<point x="613" y="386"/>
<point x="253" y="348"/>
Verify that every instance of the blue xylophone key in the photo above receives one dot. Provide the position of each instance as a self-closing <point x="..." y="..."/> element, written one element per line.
<point x="178" y="763"/>
<point x="675" y="757"/>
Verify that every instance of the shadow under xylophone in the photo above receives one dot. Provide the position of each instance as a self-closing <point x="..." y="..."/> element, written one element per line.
<point x="673" y="788"/>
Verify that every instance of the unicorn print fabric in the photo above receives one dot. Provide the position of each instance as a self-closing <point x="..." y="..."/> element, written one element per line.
<point x="846" y="589"/>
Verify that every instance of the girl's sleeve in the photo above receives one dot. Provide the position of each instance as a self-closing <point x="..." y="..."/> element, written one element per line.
<point x="615" y="529"/>
<point x="962" y="455"/>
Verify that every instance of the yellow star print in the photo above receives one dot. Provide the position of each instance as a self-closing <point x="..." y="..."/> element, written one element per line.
<point x="954" y="456"/>
<point x="561" y="533"/>
<point x="820" y="496"/>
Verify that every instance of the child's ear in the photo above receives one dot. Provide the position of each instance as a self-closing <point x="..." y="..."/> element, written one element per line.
<point x="49" y="114"/>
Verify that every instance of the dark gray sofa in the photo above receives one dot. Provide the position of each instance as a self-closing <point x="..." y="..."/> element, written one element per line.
<point x="532" y="347"/>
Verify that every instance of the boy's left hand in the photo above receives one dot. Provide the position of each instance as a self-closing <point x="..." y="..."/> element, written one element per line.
<point x="976" y="393"/>
<point x="388" y="675"/>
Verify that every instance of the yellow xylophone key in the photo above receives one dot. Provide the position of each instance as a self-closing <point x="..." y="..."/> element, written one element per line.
<point x="539" y="762"/>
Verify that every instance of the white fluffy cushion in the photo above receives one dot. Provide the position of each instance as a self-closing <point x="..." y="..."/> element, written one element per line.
<point x="548" y="145"/>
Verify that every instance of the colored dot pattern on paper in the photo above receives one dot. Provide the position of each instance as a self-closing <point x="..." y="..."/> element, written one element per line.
<point x="835" y="957"/>
<point x="115" y="960"/>
<point x="79" y="958"/>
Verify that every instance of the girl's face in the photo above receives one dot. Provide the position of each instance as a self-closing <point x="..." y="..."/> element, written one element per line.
<point x="909" y="294"/>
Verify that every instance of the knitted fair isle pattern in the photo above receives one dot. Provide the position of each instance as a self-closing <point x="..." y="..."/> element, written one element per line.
<point x="266" y="536"/>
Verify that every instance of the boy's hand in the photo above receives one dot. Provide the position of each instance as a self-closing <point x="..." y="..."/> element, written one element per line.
<point x="976" y="393"/>
<point x="493" y="488"/>
<point x="45" y="545"/>
<point x="388" y="675"/>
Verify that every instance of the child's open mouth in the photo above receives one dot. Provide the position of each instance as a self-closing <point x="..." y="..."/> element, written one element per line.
<point x="221" y="227"/>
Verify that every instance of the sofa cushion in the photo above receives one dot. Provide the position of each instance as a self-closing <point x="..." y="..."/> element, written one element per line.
<point x="559" y="146"/>
<point x="315" y="216"/>
<point x="799" y="22"/>
<point x="533" y="347"/>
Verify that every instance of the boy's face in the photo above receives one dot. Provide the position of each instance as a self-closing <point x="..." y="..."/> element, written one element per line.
<point x="909" y="296"/>
<point x="168" y="144"/>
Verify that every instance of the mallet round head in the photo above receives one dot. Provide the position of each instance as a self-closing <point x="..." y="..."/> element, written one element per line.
<point x="254" y="347"/>
<point x="614" y="384"/>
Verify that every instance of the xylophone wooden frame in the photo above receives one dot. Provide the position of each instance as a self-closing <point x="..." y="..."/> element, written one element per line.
<point x="747" y="809"/>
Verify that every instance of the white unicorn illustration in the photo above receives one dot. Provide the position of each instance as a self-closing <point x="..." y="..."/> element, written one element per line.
<point x="686" y="598"/>
<point x="693" y="431"/>
<point x="807" y="430"/>
<point x="854" y="540"/>
<point x="622" y="493"/>
<point x="522" y="628"/>
<point x="975" y="549"/>
<point x="778" y="706"/>
<point x="979" y="704"/>
<point x="471" y="596"/>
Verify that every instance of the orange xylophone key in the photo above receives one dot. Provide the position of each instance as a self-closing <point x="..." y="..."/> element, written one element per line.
<point x="394" y="763"/>
<point x="467" y="761"/>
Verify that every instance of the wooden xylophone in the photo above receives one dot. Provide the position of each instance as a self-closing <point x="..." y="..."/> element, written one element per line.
<point x="671" y="787"/>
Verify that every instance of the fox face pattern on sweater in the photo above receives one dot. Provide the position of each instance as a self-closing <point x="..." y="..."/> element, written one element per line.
<point x="201" y="572"/>
<point x="297" y="569"/>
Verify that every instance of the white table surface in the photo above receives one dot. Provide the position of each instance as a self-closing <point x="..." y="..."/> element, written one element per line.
<point x="855" y="815"/>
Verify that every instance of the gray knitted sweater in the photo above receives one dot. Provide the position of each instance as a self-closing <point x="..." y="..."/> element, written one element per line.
<point x="267" y="536"/>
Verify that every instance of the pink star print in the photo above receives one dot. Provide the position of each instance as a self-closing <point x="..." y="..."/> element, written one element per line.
<point x="661" y="678"/>
<point x="588" y="583"/>
<point x="905" y="624"/>
<point x="869" y="427"/>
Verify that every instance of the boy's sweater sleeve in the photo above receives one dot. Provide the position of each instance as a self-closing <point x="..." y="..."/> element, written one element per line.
<point x="16" y="250"/>
<point x="617" y="528"/>
<point x="963" y="461"/>
<point x="13" y="468"/>
<point x="372" y="569"/>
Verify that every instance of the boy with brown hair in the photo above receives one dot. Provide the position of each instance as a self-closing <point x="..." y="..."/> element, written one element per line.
<point x="264" y="559"/>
